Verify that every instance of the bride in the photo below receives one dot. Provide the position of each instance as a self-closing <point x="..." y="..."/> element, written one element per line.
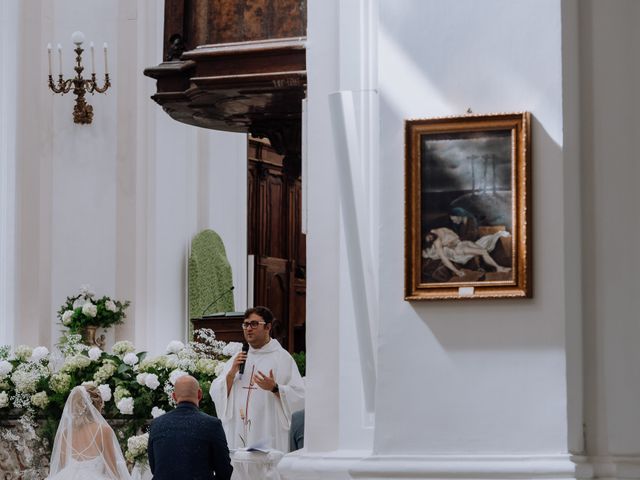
<point x="85" y="445"/>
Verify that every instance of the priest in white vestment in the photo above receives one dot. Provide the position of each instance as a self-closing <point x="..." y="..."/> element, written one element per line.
<point x="256" y="407"/>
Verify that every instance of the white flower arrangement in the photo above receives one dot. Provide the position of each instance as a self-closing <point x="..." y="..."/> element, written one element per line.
<point x="40" y="399"/>
<point x="110" y="305"/>
<point x="105" y="372"/>
<point x="60" y="382"/>
<point x="175" y="375"/>
<point x="22" y="353"/>
<point x="137" y="448"/>
<point x="89" y="309"/>
<point x="130" y="359"/>
<point x="157" y="412"/>
<point x="94" y="353"/>
<point x="175" y="346"/>
<point x="151" y="381"/>
<point x="125" y="405"/>
<point x="105" y="392"/>
<point x="6" y="368"/>
<point x="122" y="347"/>
<point x="39" y="353"/>
<point x="4" y="400"/>
<point x="141" y="378"/>
<point x="66" y="317"/>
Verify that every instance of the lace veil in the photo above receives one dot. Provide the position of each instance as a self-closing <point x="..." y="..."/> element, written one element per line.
<point x="84" y="441"/>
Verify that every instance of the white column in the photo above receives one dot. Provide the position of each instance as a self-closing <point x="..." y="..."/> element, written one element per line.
<point x="9" y="71"/>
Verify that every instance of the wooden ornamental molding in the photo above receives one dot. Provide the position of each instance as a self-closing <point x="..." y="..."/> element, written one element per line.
<point x="254" y="86"/>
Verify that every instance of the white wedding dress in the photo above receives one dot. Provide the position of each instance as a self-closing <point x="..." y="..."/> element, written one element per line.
<point x="85" y="446"/>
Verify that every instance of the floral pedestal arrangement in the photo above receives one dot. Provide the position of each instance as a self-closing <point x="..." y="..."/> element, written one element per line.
<point x="85" y="313"/>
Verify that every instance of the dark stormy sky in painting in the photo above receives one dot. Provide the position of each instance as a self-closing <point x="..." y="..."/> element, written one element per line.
<point x="467" y="161"/>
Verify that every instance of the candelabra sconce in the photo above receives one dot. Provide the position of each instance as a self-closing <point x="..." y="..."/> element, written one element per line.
<point x="82" y="111"/>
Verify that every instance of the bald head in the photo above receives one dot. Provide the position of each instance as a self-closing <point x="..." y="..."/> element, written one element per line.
<point x="187" y="389"/>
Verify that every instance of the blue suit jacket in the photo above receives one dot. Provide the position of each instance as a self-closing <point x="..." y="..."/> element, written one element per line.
<point x="186" y="444"/>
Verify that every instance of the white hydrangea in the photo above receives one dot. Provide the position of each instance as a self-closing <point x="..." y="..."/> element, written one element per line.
<point x="60" y="382"/>
<point x="40" y="399"/>
<point x="175" y="375"/>
<point x="89" y="309"/>
<point x="66" y="317"/>
<point x="207" y="366"/>
<point x="231" y="349"/>
<point x="141" y="378"/>
<point x="5" y="368"/>
<point x="110" y="305"/>
<point x="79" y="302"/>
<point x="105" y="372"/>
<point x="22" y="353"/>
<point x="130" y="359"/>
<point x="137" y="447"/>
<point x="105" y="392"/>
<point x="175" y="346"/>
<point x="94" y="353"/>
<point x="75" y="362"/>
<point x="125" y="406"/>
<point x="171" y="361"/>
<point x="39" y="353"/>
<point x="152" y="381"/>
<point x="4" y="400"/>
<point x="122" y="348"/>
<point x="156" y="412"/>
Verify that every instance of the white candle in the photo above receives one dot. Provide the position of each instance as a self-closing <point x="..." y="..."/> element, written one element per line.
<point x="93" y="59"/>
<point x="60" y="56"/>
<point x="106" y="67"/>
<point x="49" y="52"/>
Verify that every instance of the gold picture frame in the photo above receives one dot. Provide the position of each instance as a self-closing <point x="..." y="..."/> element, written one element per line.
<point x="468" y="207"/>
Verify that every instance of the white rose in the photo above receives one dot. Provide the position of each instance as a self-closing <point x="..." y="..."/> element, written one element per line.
<point x="94" y="353"/>
<point x="5" y="368"/>
<point x="152" y="381"/>
<point x="130" y="359"/>
<point x="175" y="375"/>
<point x="155" y="412"/>
<point x="66" y="317"/>
<point x="4" y="400"/>
<point x="78" y="303"/>
<point x="141" y="378"/>
<point x="39" y="353"/>
<point x="125" y="406"/>
<point x="110" y="305"/>
<point x="231" y="348"/>
<point x="105" y="392"/>
<point x="89" y="309"/>
<point x="175" y="346"/>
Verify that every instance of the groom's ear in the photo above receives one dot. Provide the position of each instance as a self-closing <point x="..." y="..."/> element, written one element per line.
<point x="199" y="394"/>
<point x="173" y="394"/>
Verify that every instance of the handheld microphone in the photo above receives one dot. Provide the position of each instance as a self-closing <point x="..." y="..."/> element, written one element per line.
<point x="226" y="292"/>
<point x="245" y="349"/>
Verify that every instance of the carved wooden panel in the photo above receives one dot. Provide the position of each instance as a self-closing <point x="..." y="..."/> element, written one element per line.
<point x="272" y="289"/>
<point x="204" y="22"/>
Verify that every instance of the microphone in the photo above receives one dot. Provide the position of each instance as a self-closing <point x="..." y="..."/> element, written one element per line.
<point x="245" y="349"/>
<point x="226" y="292"/>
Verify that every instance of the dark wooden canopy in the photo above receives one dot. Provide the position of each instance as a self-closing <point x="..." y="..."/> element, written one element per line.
<point x="253" y="82"/>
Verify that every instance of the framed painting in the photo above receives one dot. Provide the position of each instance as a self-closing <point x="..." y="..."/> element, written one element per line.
<point x="467" y="211"/>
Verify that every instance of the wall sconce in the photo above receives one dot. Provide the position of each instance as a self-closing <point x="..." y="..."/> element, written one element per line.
<point x="82" y="111"/>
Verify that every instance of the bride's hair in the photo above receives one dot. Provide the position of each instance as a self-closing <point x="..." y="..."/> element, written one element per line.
<point x="94" y="395"/>
<point x="79" y="410"/>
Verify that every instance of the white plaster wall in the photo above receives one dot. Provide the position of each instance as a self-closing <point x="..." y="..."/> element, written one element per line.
<point x="9" y="68"/>
<point x="475" y="377"/>
<point x="116" y="203"/>
<point x="610" y="69"/>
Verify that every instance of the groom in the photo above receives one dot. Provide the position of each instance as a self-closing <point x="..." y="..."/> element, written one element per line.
<point x="186" y="443"/>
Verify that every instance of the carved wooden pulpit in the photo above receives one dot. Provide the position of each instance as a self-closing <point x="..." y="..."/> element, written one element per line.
<point x="238" y="66"/>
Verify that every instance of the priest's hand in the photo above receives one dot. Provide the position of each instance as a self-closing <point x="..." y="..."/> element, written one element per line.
<point x="241" y="357"/>
<point x="265" y="382"/>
